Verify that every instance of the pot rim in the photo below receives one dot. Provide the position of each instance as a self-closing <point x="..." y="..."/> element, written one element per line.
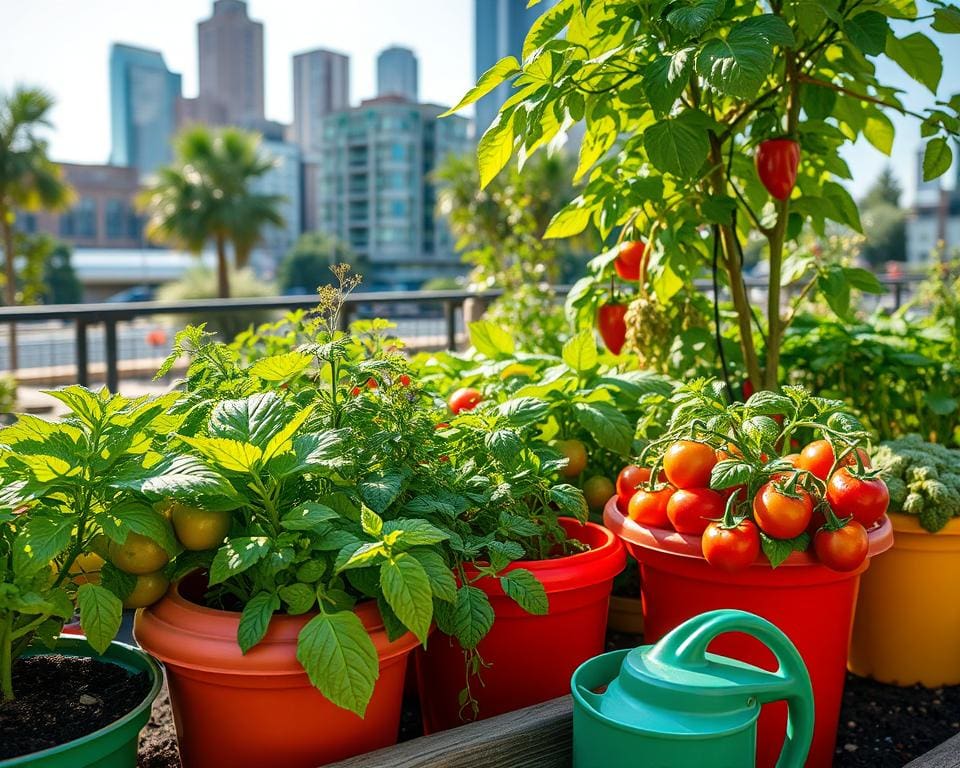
<point x="688" y="546"/>
<point x="904" y="523"/>
<point x="67" y="643"/>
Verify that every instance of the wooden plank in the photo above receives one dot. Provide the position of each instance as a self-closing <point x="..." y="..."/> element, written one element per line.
<point x="536" y="737"/>
<point x="947" y="755"/>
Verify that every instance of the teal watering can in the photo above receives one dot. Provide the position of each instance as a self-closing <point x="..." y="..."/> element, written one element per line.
<point x="673" y="705"/>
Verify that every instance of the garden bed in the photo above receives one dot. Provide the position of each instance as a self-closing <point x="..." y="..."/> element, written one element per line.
<point x="881" y="726"/>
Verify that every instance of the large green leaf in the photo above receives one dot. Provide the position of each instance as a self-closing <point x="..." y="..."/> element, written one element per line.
<point x="380" y="491"/>
<point x="442" y="583"/>
<point x="739" y="64"/>
<point x="255" y="619"/>
<point x="937" y="158"/>
<point x="309" y="516"/>
<point x="498" y="73"/>
<point x="879" y="131"/>
<point x="495" y="147"/>
<point x="677" y="145"/>
<point x="523" y="411"/>
<point x="665" y="78"/>
<point x="299" y="598"/>
<point x="570" y="220"/>
<point x="176" y="476"/>
<point x="608" y="426"/>
<point x="253" y="419"/>
<point x="918" y="56"/>
<point x="580" y="352"/>
<point x="236" y="556"/>
<point x="548" y="25"/>
<point x="340" y="659"/>
<point x="692" y="17"/>
<point x="947" y="20"/>
<point x="414" y="532"/>
<point x="469" y="618"/>
<point x="39" y="541"/>
<point x="281" y="367"/>
<point x="225" y="453"/>
<point x="490" y="340"/>
<point x="100" y="615"/>
<point x="521" y="586"/>
<point x="407" y="590"/>
<point x="868" y="31"/>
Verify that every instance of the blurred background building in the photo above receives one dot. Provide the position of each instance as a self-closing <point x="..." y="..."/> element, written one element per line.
<point x="397" y="73"/>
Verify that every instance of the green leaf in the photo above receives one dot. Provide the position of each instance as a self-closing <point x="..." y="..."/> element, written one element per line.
<point x="947" y="20"/>
<point x="608" y="426"/>
<point x="340" y="659"/>
<point x="307" y="517"/>
<point x="39" y="541"/>
<point x="469" y="618"/>
<point x="317" y="450"/>
<point x="507" y="67"/>
<point x="252" y="420"/>
<point x="693" y="17"/>
<point x="442" y="583"/>
<point x="48" y="469"/>
<point x="282" y="441"/>
<point x="739" y="65"/>
<point x="665" y="78"/>
<point x="941" y="402"/>
<point x="918" y="56"/>
<point x="227" y="454"/>
<point x="868" y="31"/>
<point x="490" y="340"/>
<point x="505" y="445"/>
<point x="380" y="491"/>
<point x="580" y="352"/>
<point x="370" y="522"/>
<point x="523" y="411"/>
<point x="357" y="554"/>
<point x="863" y="280"/>
<point x="521" y="586"/>
<point x="133" y="515"/>
<point x="408" y="592"/>
<point x="937" y="158"/>
<point x="879" y="131"/>
<point x="299" y="598"/>
<point x="778" y="550"/>
<point x="100" y="615"/>
<point x="236" y="556"/>
<point x="255" y="619"/>
<point x="570" y="502"/>
<point x="846" y="206"/>
<point x="729" y="473"/>
<point x="769" y="403"/>
<point x="570" y="220"/>
<point x="761" y="430"/>
<point x="677" y="145"/>
<point x="178" y="476"/>
<point x="495" y="147"/>
<point x="281" y="367"/>
<point x="547" y="26"/>
<point x="601" y="134"/>
<point x="414" y="532"/>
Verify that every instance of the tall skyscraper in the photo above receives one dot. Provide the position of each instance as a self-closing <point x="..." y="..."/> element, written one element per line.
<point x="321" y="86"/>
<point x="397" y="73"/>
<point x="230" y="46"/>
<point x="143" y="108"/>
<point x="499" y="29"/>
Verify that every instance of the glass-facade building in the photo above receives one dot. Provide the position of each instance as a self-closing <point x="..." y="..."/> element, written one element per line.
<point x="143" y="108"/>
<point x="374" y="188"/>
<point x="397" y="73"/>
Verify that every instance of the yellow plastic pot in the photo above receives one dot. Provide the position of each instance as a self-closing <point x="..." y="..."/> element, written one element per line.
<point x="907" y="626"/>
<point x="625" y="615"/>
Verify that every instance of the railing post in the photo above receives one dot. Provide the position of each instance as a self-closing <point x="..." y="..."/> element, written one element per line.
<point x="83" y="375"/>
<point x="450" y="314"/>
<point x="897" y="295"/>
<point x="110" y="351"/>
<point x="343" y="318"/>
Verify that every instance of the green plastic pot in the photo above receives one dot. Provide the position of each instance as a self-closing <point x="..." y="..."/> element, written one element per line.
<point x="114" y="745"/>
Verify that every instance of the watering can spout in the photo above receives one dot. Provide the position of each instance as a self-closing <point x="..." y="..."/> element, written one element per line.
<point x="672" y="703"/>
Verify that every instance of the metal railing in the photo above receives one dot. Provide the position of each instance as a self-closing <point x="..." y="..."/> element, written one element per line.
<point x="449" y="321"/>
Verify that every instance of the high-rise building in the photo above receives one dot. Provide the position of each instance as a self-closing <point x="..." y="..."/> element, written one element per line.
<point x="397" y="73"/>
<point x="283" y="179"/>
<point x="500" y="27"/>
<point x="321" y="86"/>
<point x="375" y="190"/>
<point x="230" y="46"/>
<point x="143" y="108"/>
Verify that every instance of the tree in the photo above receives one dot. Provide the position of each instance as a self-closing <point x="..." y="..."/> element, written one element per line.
<point x="45" y="271"/>
<point x="884" y="222"/>
<point x="206" y="195"/>
<point x="679" y="96"/>
<point x="886" y="189"/>
<point x="307" y="264"/>
<point x="28" y="179"/>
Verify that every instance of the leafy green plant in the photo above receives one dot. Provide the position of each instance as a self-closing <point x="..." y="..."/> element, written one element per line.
<point x="63" y="497"/>
<point x="923" y="478"/>
<point x="680" y="99"/>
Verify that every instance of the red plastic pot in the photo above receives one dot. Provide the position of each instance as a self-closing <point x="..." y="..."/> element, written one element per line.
<point x="260" y="709"/>
<point x="530" y="658"/>
<point x="812" y="605"/>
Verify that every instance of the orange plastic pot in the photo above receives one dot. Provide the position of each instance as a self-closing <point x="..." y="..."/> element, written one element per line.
<point x="530" y="658"/>
<point x="259" y="709"/>
<point x="810" y="603"/>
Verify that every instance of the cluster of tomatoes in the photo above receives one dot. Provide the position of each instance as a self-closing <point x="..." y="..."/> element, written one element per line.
<point x="611" y="316"/>
<point x="833" y="501"/>
<point x="141" y="557"/>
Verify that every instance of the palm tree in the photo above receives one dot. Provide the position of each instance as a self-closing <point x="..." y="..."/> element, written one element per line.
<point x="206" y="195"/>
<point x="28" y="179"/>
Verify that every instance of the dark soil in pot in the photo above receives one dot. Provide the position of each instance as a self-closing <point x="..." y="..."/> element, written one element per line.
<point x="61" y="698"/>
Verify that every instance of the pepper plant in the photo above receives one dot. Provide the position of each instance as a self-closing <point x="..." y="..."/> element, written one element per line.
<point x="680" y="99"/>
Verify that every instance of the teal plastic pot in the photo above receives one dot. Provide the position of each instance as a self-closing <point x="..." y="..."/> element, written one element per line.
<point x="114" y="745"/>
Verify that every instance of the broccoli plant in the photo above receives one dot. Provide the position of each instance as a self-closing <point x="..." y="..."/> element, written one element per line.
<point x="923" y="478"/>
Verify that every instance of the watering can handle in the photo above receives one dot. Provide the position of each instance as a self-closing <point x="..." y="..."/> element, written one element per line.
<point x="686" y="646"/>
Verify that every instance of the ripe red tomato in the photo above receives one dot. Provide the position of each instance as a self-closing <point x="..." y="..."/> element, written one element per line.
<point x="464" y="399"/>
<point x="612" y="326"/>
<point x="780" y="515"/>
<point x="731" y="549"/>
<point x="691" y="509"/>
<point x="818" y="457"/>
<point x="777" y="161"/>
<point x="372" y="383"/>
<point x="404" y="380"/>
<point x="650" y="507"/>
<point x="629" y="261"/>
<point x="355" y="391"/>
<point x="688" y="464"/>
<point x="844" y="549"/>
<point x="863" y="499"/>
<point x="629" y="479"/>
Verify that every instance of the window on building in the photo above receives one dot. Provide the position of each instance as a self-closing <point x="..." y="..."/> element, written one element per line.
<point x="81" y="220"/>
<point x="116" y="220"/>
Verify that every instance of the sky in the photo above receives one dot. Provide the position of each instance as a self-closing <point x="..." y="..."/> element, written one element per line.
<point x="64" y="46"/>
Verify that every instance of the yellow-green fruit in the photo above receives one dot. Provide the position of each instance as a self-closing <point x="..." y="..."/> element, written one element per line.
<point x="597" y="491"/>
<point x="150" y="588"/>
<point x="165" y="508"/>
<point x="86" y="568"/>
<point x="576" y="455"/>
<point x="137" y="555"/>
<point x="199" y="529"/>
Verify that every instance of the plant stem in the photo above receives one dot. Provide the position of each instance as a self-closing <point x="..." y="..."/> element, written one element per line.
<point x="6" y="657"/>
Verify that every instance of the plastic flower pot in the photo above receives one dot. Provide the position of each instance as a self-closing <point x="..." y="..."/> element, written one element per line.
<point x="626" y="615"/>
<point x="907" y="628"/>
<point x="259" y="709"/>
<point x="810" y="603"/>
<point x="530" y="657"/>
<point x="114" y="745"/>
